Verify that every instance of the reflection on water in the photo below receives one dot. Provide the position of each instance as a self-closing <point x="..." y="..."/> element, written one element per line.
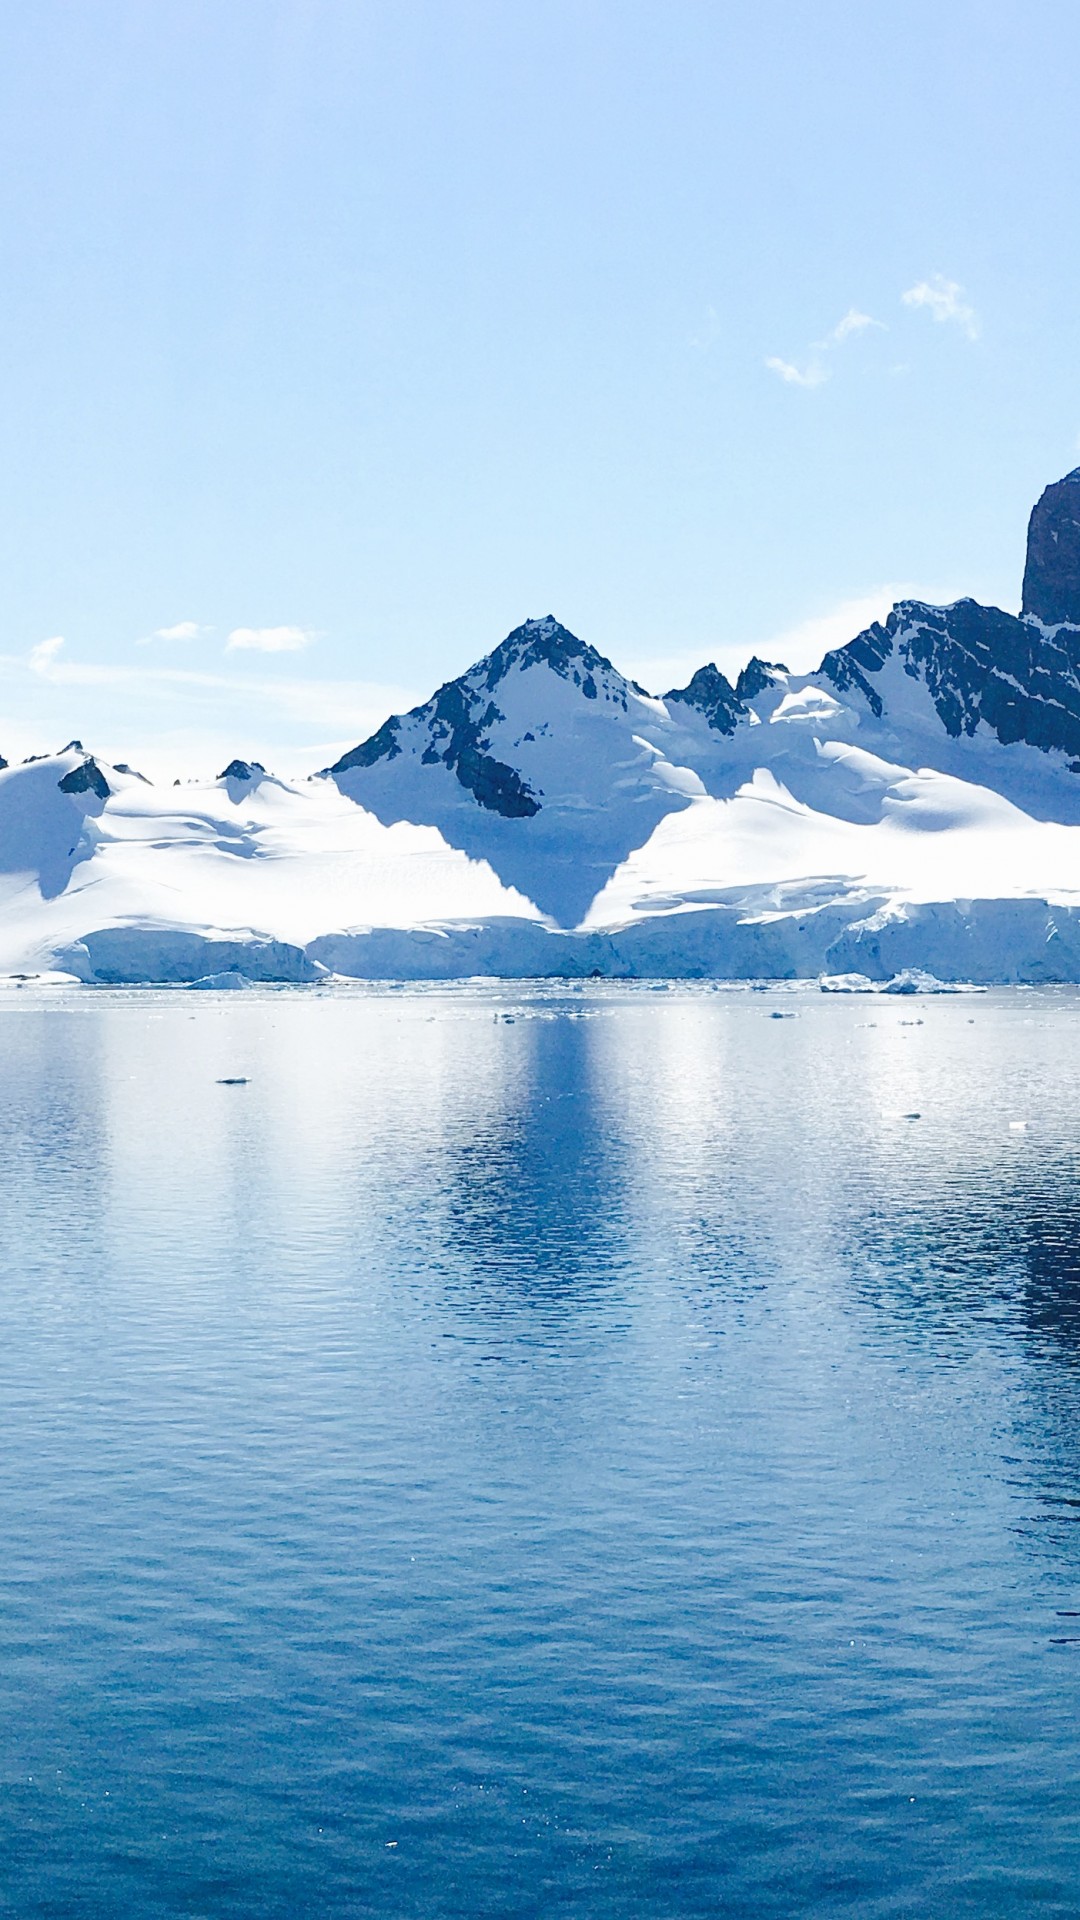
<point x="584" y="1451"/>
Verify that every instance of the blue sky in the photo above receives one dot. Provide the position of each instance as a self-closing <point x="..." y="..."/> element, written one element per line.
<point x="338" y="338"/>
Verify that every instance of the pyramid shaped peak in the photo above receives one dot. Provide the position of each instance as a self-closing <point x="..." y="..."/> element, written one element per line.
<point x="546" y="642"/>
<point x="545" y="632"/>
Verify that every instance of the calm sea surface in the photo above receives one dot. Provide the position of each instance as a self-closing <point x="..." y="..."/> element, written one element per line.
<point x="532" y="1452"/>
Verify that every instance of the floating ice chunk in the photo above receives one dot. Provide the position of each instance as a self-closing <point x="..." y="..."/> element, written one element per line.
<point x="914" y="980"/>
<point x="847" y="983"/>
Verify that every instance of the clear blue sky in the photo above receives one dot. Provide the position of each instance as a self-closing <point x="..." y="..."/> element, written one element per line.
<point x="390" y="324"/>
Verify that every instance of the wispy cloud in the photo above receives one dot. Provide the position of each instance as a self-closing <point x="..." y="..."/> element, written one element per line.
<point x="42" y="658"/>
<point x="813" y="371"/>
<point x="813" y="374"/>
<point x="170" y="719"/>
<point x="852" y="322"/>
<point x="183" y="630"/>
<point x="943" y="299"/>
<point x="268" y="639"/>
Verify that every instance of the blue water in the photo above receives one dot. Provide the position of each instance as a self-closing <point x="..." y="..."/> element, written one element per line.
<point x="537" y="1452"/>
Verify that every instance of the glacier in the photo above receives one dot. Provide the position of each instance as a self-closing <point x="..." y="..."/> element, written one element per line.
<point x="913" y="807"/>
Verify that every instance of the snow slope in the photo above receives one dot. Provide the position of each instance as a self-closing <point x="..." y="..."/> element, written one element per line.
<point x="239" y="859"/>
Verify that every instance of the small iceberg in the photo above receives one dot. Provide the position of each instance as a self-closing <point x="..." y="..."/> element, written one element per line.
<point x="847" y="983"/>
<point x="914" y="980"/>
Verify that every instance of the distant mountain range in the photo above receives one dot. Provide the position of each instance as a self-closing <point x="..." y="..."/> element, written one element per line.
<point x="915" y="802"/>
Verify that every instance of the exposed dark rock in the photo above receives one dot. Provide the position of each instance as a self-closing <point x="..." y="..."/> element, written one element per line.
<point x="756" y="677"/>
<point x="87" y="778"/>
<point x="459" y="718"/>
<point x="1052" y="572"/>
<point x="849" y="666"/>
<point x="978" y="664"/>
<point x="714" y="696"/>
<point x="242" y="770"/>
<point x="382" y="746"/>
<point x="132" y="772"/>
<point x="546" y="642"/>
<point x="495" y="785"/>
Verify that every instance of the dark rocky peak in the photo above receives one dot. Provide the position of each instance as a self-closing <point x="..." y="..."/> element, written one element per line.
<point x="713" y="695"/>
<point x="455" y="726"/>
<point x="133" y="773"/>
<point x="547" y="643"/>
<point x="242" y="770"/>
<point x="1052" y="571"/>
<point x="978" y="664"/>
<point x="73" y="746"/>
<point x="849" y="667"/>
<point x="87" y="777"/>
<point x="756" y="677"/>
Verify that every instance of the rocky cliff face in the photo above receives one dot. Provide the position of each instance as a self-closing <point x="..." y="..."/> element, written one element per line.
<point x="712" y="695"/>
<point x="1052" y="573"/>
<point x="978" y="664"/>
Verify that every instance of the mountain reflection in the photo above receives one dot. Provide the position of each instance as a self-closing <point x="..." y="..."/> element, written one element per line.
<point x="535" y="1196"/>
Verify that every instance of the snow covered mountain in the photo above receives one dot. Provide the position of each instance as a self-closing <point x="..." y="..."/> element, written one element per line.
<point x="917" y="762"/>
<point x="916" y="801"/>
<point x="542" y="759"/>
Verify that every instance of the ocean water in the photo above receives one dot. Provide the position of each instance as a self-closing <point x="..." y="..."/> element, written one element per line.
<point x="605" y="1452"/>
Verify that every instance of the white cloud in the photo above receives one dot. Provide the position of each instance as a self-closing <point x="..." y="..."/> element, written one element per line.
<point x="942" y="298"/>
<point x="813" y="372"/>
<point x="268" y="639"/>
<point x="812" y="375"/>
<point x="852" y="322"/>
<point x="41" y="658"/>
<point x="168" y="720"/>
<point x="183" y="630"/>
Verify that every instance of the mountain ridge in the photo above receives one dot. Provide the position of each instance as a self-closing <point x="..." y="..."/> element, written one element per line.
<point x="542" y="810"/>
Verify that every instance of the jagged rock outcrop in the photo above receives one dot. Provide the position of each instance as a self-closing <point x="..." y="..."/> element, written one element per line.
<point x="1052" y="571"/>
<point x="242" y="770"/>
<point x="87" y="777"/>
<point x="711" y="694"/>
<point x="756" y="677"/>
<point x="978" y="665"/>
